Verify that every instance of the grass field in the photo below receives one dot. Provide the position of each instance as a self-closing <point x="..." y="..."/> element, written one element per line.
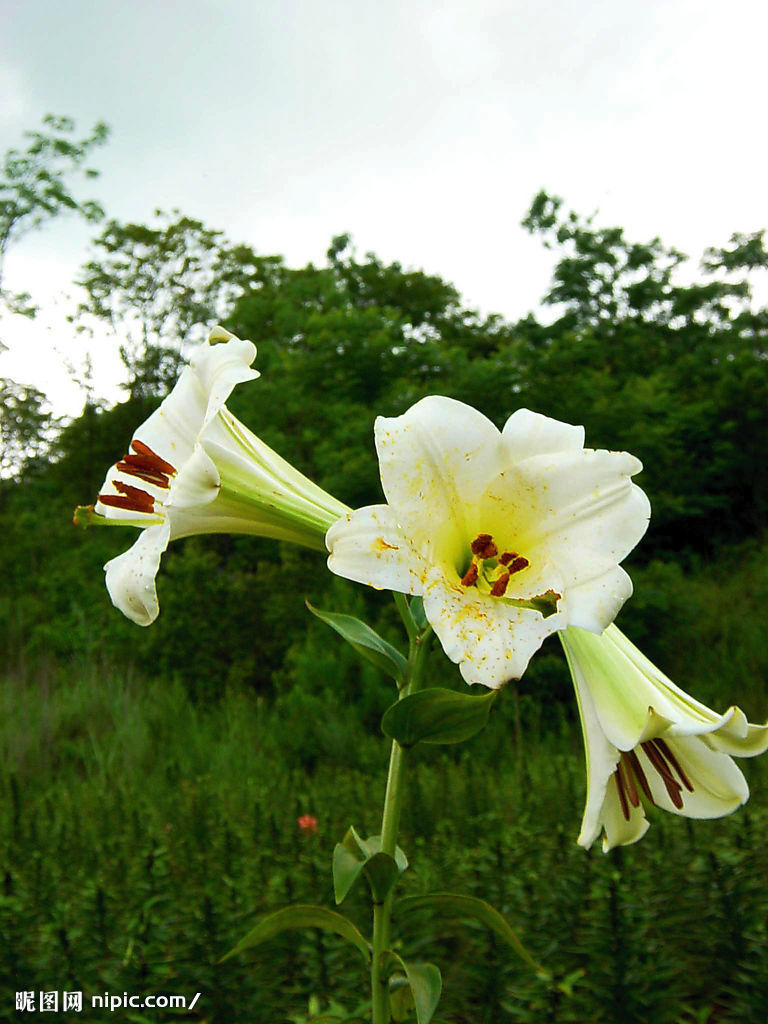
<point x="142" y="836"/>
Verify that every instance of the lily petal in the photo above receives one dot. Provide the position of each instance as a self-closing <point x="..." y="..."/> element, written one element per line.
<point x="626" y="684"/>
<point x="491" y="641"/>
<point x="198" y="481"/>
<point x="435" y="462"/>
<point x="601" y="757"/>
<point x="580" y="509"/>
<point x="131" y="576"/>
<point x="204" y="386"/>
<point x="369" y="547"/>
<point x="527" y="433"/>
<point x="219" y="368"/>
<point x="592" y="603"/>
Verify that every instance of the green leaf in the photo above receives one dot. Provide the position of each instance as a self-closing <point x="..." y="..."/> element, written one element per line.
<point x="353" y="856"/>
<point x="424" y="982"/>
<point x="366" y="642"/>
<point x="298" y="916"/>
<point x="437" y="716"/>
<point x="469" y="906"/>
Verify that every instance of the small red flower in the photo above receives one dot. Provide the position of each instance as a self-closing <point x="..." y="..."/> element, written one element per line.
<point x="307" y="823"/>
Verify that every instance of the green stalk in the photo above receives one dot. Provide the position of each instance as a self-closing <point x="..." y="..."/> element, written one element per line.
<point x="390" y="823"/>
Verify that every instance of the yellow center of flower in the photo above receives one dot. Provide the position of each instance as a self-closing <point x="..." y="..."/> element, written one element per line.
<point x="663" y="761"/>
<point x="490" y="568"/>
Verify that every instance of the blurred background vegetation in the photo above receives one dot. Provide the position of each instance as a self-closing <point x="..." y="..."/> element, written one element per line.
<point x="151" y="779"/>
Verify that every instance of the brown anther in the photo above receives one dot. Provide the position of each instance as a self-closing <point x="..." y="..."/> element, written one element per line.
<point x="639" y="774"/>
<point x="135" y="493"/>
<point x="138" y="502"/>
<point x="469" y="579"/>
<point x="498" y="588"/>
<point x="131" y="465"/>
<point x="143" y="449"/>
<point x="518" y="563"/>
<point x="672" y="786"/>
<point x="483" y="546"/>
<point x="507" y="557"/>
<point x="147" y="465"/>
<point x="663" y="748"/>
<point x="618" y="776"/>
<point x="626" y="770"/>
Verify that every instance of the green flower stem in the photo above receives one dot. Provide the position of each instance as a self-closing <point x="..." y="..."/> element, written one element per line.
<point x="393" y="801"/>
<point x="401" y="601"/>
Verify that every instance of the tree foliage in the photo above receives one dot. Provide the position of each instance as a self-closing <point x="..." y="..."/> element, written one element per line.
<point x="35" y="185"/>
<point x="157" y="287"/>
<point x="27" y="426"/>
<point x="674" y="372"/>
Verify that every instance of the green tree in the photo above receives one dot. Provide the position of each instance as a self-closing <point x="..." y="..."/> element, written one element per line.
<point x="27" y="426"/>
<point x="674" y="372"/>
<point x="160" y="288"/>
<point x="35" y="187"/>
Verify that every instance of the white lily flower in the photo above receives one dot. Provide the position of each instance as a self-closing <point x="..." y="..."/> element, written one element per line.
<point x="507" y="535"/>
<point x="193" y="468"/>
<point x="646" y="740"/>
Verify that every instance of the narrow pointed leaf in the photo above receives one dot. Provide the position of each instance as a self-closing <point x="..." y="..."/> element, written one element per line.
<point x="346" y="871"/>
<point x="366" y="642"/>
<point x="353" y="856"/>
<point x="382" y="873"/>
<point x="437" y="716"/>
<point x="469" y="907"/>
<point x="300" y="916"/>
<point x="424" y="981"/>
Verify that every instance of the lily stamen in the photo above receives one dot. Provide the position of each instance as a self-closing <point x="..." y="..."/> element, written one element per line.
<point x="148" y="476"/>
<point x="663" y="748"/>
<point x="500" y="586"/>
<point x="619" y="778"/>
<point x="639" y="774"/>
<point x="513" y="561"/>
<point x="498" y="573"/>
<point x="630" y="769"/>
<point x="131" y="503"/>
<point x="469" y="579"/>
<point x="628" y="779"/>
<point x="140" y="500"/>
<point x="672" y="786"/>
<point x="147" y="465"/>
<point x="483" y="546"/>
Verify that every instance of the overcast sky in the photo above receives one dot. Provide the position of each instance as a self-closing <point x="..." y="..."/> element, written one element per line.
<point x="424" y="129"/>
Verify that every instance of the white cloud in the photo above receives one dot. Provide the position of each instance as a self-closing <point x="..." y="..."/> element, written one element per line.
<point x="423" y="129"/>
